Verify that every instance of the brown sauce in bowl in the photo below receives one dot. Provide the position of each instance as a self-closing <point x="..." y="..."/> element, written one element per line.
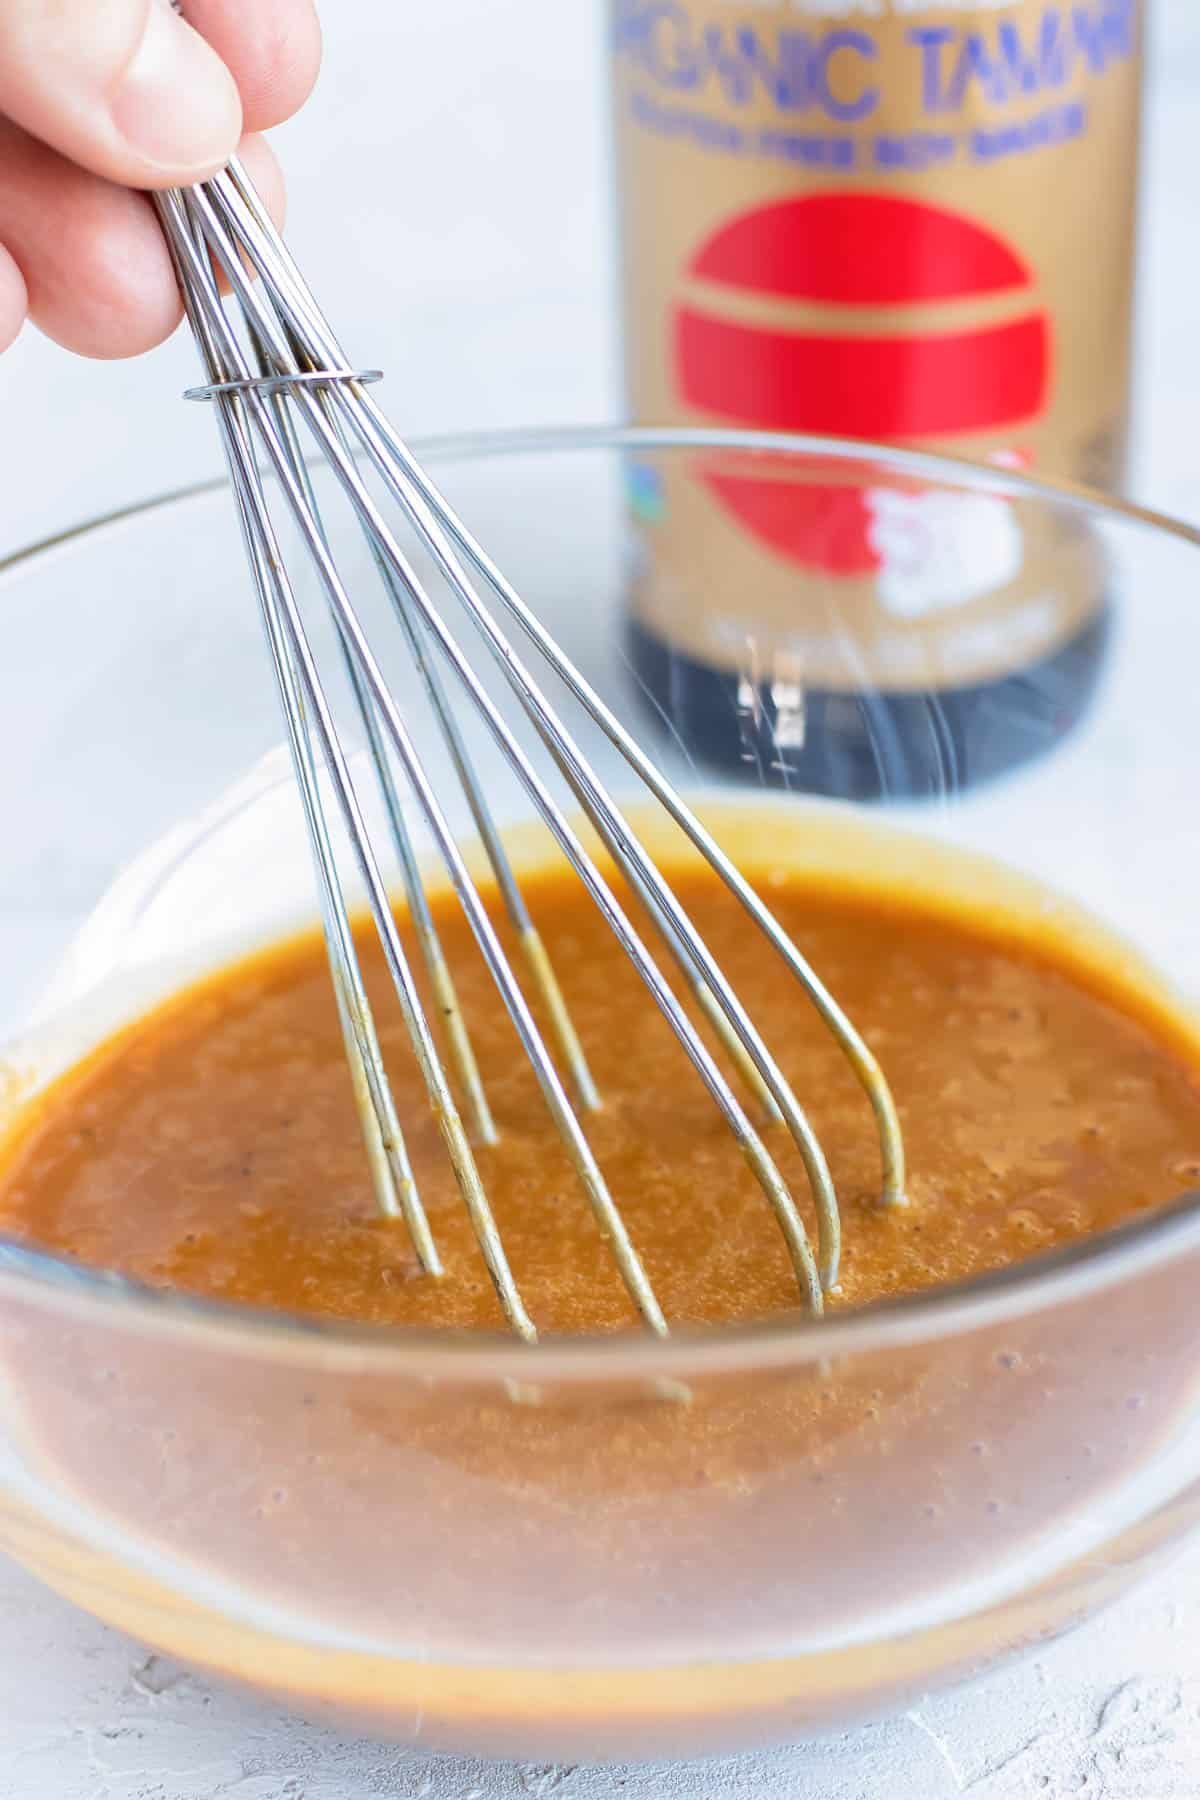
<point x="213" y="1147"/>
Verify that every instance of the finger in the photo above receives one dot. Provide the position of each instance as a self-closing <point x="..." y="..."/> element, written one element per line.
<point x="125" y="88"/>
<point x="95" y="267"/>
<point x="13" y="299"/>
<point x="272" y="48"/>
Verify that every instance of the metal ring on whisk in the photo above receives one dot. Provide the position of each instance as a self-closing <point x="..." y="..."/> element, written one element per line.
<point x="273" y="384"/>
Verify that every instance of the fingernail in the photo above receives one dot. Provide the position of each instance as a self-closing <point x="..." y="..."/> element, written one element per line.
<point x="177" y="105"/>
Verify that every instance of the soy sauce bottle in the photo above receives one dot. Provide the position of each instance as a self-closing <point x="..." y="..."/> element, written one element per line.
<point x="896" y="222"/>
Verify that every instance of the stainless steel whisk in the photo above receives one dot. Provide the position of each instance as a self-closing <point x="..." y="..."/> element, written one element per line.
<point x="273" y="364"/>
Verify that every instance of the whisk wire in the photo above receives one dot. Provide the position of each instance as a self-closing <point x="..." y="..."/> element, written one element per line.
<point x="682" y="939"/>
<point x="536" y="957"/>
<point x="292" y="656"/>
<point x="303" y="303"/>
<point x="438" y="969"/>
<point x="761" y="1163"/>
<point x="611" y="1223"/>
<point x="300" y="370"/>
<point x="388" y="1161"/>
<point x="862" y="1061"/>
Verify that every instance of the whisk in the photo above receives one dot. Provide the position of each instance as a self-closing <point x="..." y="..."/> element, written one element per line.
<point x="274" y="368"/>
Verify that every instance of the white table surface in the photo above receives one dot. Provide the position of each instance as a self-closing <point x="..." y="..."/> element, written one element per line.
<point x="479" y="277"/>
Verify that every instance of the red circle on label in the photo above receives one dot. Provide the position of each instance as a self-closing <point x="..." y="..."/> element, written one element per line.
<point x="836" y="376"/>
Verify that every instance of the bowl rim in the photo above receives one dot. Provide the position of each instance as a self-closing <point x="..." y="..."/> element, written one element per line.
<point x="528" y="440"/>
<point x="1079" y="1271"/>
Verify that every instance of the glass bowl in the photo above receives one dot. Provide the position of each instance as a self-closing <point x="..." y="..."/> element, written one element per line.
<point x="842" y="1514"/>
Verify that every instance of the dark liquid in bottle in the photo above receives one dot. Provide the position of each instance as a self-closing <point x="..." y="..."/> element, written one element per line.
<point x="871" y="745"/>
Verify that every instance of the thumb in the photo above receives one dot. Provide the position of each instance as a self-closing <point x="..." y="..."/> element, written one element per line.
<point x="123" y="87"/>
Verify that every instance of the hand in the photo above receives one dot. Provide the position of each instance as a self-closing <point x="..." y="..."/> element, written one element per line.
<point x="99" y="97"/>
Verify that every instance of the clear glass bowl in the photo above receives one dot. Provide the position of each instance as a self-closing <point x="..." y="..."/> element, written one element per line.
<point x="383" y="1526"/>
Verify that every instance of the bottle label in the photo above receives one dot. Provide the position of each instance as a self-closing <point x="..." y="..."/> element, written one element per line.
<point x="888" y="220"/>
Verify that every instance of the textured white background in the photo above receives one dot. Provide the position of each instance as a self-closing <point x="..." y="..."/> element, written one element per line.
<point x="450" y="199"/>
